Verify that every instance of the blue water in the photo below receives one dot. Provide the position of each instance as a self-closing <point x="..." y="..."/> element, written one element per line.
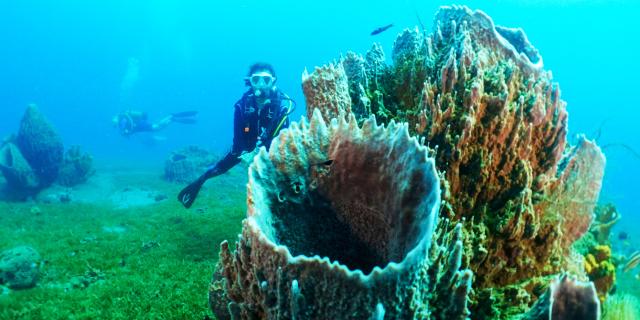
<point x="83" y="61"/>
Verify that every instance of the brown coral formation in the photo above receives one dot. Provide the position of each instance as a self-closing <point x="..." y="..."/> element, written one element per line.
<point x="329" y="89"/>
<point x="349" y="238"/>
<point x="478" y="93"/>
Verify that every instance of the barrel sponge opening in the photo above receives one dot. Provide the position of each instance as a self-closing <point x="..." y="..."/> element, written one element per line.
<point x="363" y="197"/>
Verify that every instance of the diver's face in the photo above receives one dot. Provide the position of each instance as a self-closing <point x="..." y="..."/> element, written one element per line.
<point x="261" y="81"/>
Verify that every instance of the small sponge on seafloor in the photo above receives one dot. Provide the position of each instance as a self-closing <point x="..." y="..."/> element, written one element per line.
<point x="77" y="167"/>
<point x="599" y="266"/>
<point x="187" y="164"/>
<point x="19" y="267"/>
<point x="340" y="222"/>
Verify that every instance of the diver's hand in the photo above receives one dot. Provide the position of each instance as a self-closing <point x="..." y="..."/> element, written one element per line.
<point x="259" y="143"/>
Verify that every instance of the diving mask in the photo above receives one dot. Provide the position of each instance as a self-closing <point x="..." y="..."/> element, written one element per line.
<point x="262" y="80"/>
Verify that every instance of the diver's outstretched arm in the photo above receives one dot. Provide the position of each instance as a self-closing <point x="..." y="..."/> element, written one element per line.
<point x="188" y="195"/>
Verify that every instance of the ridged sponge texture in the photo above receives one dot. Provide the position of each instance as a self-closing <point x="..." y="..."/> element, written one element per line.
<point x="479" y="95"/>
<point x="340" y="222"/>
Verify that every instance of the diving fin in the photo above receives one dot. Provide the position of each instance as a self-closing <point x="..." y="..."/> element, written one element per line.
<point x="184" y="114"/>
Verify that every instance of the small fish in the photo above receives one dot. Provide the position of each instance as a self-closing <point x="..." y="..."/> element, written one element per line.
<point x="381" y="29"/>
<point x="633" y="262"/>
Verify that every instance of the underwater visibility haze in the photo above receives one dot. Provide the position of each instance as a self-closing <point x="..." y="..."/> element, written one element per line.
<point x="319" y="159"/>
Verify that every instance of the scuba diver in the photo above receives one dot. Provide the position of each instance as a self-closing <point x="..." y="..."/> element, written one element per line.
<point x="131" y="121"/>
<point x="258" y="117"/>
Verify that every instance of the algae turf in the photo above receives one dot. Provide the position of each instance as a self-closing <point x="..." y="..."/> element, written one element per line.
<point x="150" y="262"/>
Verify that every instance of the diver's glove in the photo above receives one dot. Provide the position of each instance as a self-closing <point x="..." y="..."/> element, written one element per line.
<point x="188" y="195"/>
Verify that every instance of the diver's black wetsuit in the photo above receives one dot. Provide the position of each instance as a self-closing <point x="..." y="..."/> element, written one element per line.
<point x="253" y="121"/>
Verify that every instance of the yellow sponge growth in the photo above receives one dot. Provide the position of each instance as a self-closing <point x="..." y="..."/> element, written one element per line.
<point x="601" y="270"/>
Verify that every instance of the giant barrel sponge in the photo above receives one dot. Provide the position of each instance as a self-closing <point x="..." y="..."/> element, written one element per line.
<point x="340" y="226"/>
<point x="41" y="145"/>
<point x="16" y="169"/>
<point x="479" y="95"/>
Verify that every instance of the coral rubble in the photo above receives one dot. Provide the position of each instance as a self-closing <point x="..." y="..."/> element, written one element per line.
<point x="340" y="225"/>
<point x="479" y="95"/>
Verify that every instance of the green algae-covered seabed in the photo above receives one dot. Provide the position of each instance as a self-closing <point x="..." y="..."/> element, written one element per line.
<point x="104" y="260"/>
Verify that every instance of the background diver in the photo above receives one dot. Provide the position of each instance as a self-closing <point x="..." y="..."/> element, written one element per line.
<point x="258" y="117"/>
<point x="131" y="121"/>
